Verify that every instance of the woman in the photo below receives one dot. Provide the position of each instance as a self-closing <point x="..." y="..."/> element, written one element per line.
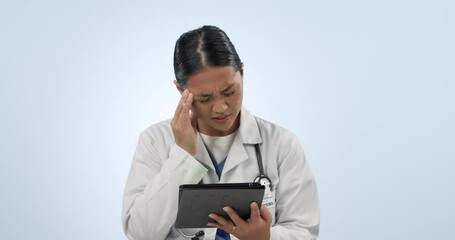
<point x="212" y="138"/>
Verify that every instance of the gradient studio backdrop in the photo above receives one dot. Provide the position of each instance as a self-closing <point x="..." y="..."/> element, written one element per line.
<point x="368" y="86"/>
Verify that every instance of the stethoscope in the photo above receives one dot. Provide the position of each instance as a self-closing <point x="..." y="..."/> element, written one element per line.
<point x="261" y="179"/>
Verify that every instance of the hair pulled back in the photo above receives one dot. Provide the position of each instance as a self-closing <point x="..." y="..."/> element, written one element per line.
<point x="207" y="46"/>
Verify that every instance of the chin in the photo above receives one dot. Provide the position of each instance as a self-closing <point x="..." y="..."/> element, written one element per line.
<point x="223" y="130"/>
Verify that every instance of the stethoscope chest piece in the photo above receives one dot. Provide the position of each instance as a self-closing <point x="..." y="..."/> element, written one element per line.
<point x="264" y="180"/>
<point x="197" y="236"/>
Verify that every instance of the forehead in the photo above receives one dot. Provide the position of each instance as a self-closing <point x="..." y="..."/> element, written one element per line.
<point x="212" y="79"/>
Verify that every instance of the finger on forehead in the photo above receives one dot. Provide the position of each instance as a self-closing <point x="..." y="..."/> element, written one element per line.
<point x="189" y="99"/>
<point x="187" y="105"/>
<point x="180" y="105"/>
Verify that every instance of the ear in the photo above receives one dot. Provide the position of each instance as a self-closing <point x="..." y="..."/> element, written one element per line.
<point x="241" y="68"/>
<point x="177" y="85"/>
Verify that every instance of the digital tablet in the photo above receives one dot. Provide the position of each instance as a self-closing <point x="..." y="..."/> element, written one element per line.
<point x="197" y="201"/>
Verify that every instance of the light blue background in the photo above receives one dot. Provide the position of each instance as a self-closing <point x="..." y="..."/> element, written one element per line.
<point x="368" y="86"/>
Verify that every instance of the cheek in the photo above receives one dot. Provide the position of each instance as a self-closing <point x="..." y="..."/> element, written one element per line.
<point x="199" y="110"/>
<point x="238" y="99"/>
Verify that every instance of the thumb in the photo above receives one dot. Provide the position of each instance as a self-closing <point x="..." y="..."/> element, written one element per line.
<point x="266" y="215"/>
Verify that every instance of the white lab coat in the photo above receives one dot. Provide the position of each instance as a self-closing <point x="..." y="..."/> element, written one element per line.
<point x="159" y="166"/>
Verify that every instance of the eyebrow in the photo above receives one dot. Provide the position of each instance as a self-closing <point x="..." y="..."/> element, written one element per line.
<point x="206" y="95"/>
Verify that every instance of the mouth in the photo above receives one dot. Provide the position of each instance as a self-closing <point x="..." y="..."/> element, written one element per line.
<point x="222" y="119"/>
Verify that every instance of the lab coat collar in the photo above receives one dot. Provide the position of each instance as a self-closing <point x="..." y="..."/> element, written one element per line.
<point x="248" y="134"/>
<point x="249" y="130"/>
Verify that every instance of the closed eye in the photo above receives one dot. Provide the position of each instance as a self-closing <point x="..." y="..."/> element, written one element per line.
<point x="203" y="100"/>
<point x="229" y="93"/>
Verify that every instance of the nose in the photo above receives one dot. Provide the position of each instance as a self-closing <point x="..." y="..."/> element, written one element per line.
<point x="220" y="106"/>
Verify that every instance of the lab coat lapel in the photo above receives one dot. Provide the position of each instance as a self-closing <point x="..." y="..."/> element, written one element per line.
<point x="237" y="155"/>
<point x="202" y="154"/>
<point x="248" y="134"/>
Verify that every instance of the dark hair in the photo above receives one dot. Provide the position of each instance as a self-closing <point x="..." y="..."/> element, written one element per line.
<point x="207" y="46"/>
